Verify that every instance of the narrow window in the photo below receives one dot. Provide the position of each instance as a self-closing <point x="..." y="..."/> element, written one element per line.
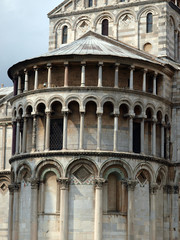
<point x="149" y="22"/>
<point x="90" y="3"/>
<point x="56" y="134"/>
<point x="64" y="34"/>
<point x="105" y="24"/>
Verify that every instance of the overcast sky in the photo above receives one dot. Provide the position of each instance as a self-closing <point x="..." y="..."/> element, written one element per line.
<point x="24" y="31"/>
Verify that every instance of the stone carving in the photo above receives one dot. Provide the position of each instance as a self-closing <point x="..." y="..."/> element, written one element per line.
<point x="82" y="174"/>
<point x="126" y="20"/>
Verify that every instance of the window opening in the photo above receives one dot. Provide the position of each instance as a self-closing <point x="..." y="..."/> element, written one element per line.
<point x="64" y="34"/>
<point x="149" y="22"/>
<point x="136" y="137"/>
<point x="89" y="3"/>
<point x="105" y="26"/>
<point x="56" y="134"/>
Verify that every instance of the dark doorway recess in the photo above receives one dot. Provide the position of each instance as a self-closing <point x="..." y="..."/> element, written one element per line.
<point x="136" y="137"/>
<point x="56" y="134"/>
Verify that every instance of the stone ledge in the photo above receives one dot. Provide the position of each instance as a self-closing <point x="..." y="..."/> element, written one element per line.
<point x="80" y="89"/>
<point x="90" y="153"/>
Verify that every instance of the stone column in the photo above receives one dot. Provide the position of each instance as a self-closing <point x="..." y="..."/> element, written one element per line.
<point x="115" y="131"/>
<point x="66" y="73"/>
<point x="130" y="215"/>
<point x="15" y="232"/>
<point x="154" y="83"/>
<point x="175" y="213"/>
<point x="14" y="138"/>
<point x="34" y="133"/>
<point x="116" y="76"/>
<point x="24" y="135"/>
<point x="26" y="80"/>
<point x="162" y="140"/>
<point x="47" y="139"/>
<point x="132" y="68"/>
<point x="19" y="85"/>
<point x="99" y="126"/>
<point x="142" y="136"/>
<point x="49" y="67"/>
<point x="163" y="87"/>
<point x="10" y="217"/>
<point x="83" y="70"/>
<point x="153" y="191"/>
<point x="36" y="78"/>
<point x="154" y="136"/>
<point x="34" y="209"/>
<point x="64" y="208"/>
<point x="130" y="133"/>
<point x="100" y="74"/>
<point x="144" y="80"/>
<point x="65" y="123"/>
<point x="98" y="209"/>
<point x="15" y="85"/>
<point x="17" y="135"/>
<point x="81" y="137"/>
<point x="3" y="163"/>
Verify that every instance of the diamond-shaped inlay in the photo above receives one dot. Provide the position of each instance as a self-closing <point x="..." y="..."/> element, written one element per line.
<point x="82" y="174"/>
<point x="142" y="178"/>
<point x="3" y="187"/>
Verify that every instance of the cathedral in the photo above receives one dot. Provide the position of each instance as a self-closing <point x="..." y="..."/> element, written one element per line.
<point x="90" y="131"/>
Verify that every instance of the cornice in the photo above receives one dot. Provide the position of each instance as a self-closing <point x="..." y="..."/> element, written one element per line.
<point x="98" y="89"/>
<point x="81" y="153"/>
<point x="121" y="6"/>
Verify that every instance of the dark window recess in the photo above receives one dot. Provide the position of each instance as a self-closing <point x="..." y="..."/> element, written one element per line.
<point x="136" y="137"/>
<point x="56" y="134"/>
<point x="165" y="143"/>
<point x="64" y="34"/>
<point x="105" y="26"/>
<point x="149" y="23"/>
<point x="90" y="3"/>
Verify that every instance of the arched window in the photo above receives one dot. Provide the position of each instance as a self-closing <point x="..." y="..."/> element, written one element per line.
<point x="90" y="3"/>
<point x="149" y="23"/>
<point x="105" y="26"/>
<point x="117" y="194"/>
<point x="64" y="34"/>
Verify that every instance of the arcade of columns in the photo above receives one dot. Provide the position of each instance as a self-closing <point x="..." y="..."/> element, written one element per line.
<point x="16" y="123"/>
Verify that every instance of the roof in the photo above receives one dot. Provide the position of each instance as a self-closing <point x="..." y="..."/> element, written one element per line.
<point x="5" y="91"/>
<point x="95" y="44"/>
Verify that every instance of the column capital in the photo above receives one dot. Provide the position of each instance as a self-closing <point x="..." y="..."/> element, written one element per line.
<point x="171" y="189"/>
<point x="145" y="70"/>
<point x="98" y="182"/>
<point x="153" y="188"/>
<point x="48" y="112"/>
<point x="25" y="71"/>
<point x="100" y="63"/>
<point x="117" y="64"/>
<point x="64" y="183"/>
<point x="83" y="63"/>
<point x="131" y="184"/>
<point x="155" y="74"/>
<point x="132" y="67"/>
<point x="66" y="64"/>
<point x="34" y="183"/>
<point x="35" y="68"/>
<point x="16" y="187"/>
<point x="11" y="188"/>
<point x="154" y="119"/>
<point x="49" y="65"/>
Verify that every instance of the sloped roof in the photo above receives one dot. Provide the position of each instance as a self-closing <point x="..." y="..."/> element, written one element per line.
<point x="5" y="91"/>
<point x="95" y="44"/>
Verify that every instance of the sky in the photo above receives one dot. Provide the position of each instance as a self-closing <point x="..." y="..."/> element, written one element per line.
<point x="24" y="32"/>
